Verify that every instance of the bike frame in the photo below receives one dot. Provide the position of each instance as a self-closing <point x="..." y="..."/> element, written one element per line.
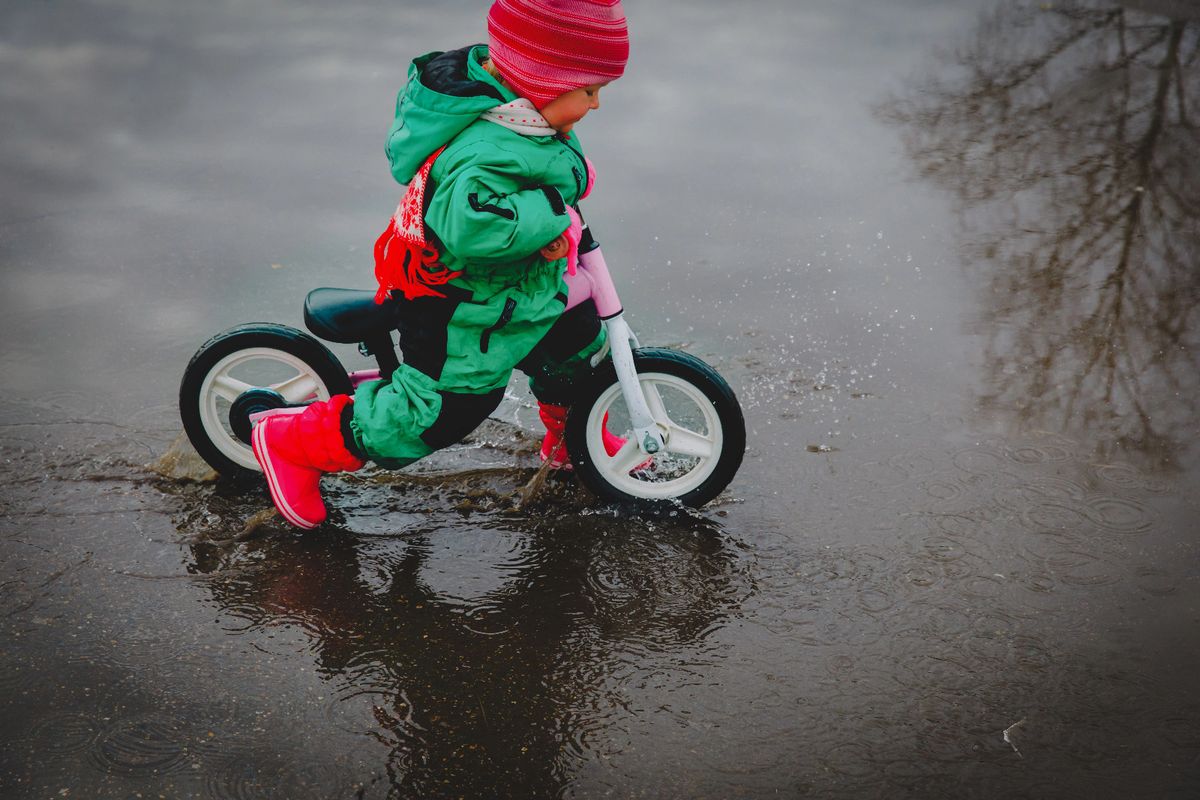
<point x="592" y="280"/>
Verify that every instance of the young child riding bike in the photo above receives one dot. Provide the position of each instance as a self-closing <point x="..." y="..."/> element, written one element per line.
<point x="475" y="255"/>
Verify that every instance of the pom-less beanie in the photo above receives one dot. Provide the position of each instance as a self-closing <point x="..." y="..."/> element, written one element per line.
<point x="546" y="48"/>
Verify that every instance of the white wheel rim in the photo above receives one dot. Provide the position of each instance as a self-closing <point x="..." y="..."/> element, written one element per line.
<point x="298" y="383"/>
<point x="689" y="423"/>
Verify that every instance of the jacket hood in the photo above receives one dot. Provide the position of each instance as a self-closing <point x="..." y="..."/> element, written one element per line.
<point x="446" y="92"/>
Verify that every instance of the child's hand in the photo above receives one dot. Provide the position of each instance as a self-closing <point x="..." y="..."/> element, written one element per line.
<point x="567" y="244"/>
<point x="556" y="249"/>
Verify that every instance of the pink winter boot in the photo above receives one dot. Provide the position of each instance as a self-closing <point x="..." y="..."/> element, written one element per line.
<point x="555" y="420"/>
<point x="294" y="449"/>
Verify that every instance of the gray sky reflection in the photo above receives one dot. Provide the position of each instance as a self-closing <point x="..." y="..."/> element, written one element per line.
<point x="215" y="163"/>
<point x="170" y="171"/>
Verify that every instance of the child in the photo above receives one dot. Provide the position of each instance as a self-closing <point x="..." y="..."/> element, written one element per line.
<point x="475" y="256"/>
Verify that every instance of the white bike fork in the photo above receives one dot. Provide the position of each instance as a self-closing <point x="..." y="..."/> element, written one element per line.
<point x="621" y="342"/>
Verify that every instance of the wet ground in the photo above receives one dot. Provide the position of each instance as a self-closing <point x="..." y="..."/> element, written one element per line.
<point x="945" y="252"/>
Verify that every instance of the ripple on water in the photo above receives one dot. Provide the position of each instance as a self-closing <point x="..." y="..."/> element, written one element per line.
<point x="77" y="405"/>
<point x="487" y="619"/>
<point x="1037" y="583"/>
<point x="357" y="710"/>
<point x="141" y="746"/>
<point x="1029" y="653"/>
<point x="1054" y="516"/>
<point x="821" y="624"/>
<point x="64" y="733"/>
<point x="875" y="600"/>
<point x="935" y="622"/>
<point x="1129" y="478"/>
<point x="880" y="474"/>
<point x="238" y="779"/>
<point x="658" y="590"/>
<point x="245" y="778"/>
<point x="1118" y="515"/>
<point x="983" y="587"/>
<point x="1082" y="740"/>
<point x="998" y="649"/>
<point x="613" y="597"/>
<point x="914" y="464"/>
<point x="1078" y="567"/>
<point x="163" y="418"/>
<point x="953" y="728"/>
<point x="980" y="460"/>
<point x="841" y="665"/>
<point x="239" y="616"/>
<point x="1182" y="732"/>
<point x="1038" y="454"/>
<point x="852" y="760"/>
<point x="1157" y="582"/>
<point x="945" y="549"/>
<point x="986" y="651"/>
<point x="945" y="491"/>
<point x="937" y="558"/>
<point x="914" y="578"/>
<point x="140" y="648"/>
<point x="971" y="530"/>
<point x="1018" y="497"/>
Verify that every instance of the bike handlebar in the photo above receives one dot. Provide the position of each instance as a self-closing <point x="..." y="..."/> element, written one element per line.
<point x="587" y="243"/>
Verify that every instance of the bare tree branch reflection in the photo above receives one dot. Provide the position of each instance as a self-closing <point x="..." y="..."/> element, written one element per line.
<point x="1069" y="134"/>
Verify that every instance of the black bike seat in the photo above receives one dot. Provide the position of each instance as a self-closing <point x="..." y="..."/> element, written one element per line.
<point x="348" y="316"/>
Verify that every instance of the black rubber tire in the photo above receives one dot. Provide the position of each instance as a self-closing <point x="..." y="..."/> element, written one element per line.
<point x="685" y="367"/>
<point x="317" y="356"/>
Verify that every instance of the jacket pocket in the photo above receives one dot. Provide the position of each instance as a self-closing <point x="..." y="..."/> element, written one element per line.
<point x="506" y="315"/>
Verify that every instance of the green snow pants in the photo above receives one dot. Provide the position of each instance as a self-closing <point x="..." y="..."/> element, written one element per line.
<point x="459" y="352"/>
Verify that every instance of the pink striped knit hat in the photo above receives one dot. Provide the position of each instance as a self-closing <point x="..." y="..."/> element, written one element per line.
<point x="546" y="48"/>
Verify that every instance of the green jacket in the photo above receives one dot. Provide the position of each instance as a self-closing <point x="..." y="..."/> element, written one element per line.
<point x="493" y="200"/>
<point x="495" y="197"/>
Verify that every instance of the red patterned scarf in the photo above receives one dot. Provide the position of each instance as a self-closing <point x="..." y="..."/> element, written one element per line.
<point x="404" y="260"/>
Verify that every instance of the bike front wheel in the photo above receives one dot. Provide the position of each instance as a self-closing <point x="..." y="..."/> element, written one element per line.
<point x="695" y="410"/>
<point x="245" y="369"/>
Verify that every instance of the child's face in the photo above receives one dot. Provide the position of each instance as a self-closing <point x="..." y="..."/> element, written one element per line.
<point x="565" y="110"/>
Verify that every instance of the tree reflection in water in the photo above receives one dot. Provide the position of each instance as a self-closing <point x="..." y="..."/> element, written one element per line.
<point x="504" y="695"/>
<point x="1070" y="138"/>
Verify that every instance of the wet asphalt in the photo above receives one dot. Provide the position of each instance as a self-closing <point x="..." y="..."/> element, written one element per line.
<point x="944" y="252"/>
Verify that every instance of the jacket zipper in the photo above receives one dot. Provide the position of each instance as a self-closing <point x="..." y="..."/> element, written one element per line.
<point x="510" y="305"/>
<point x="562" y="137"/>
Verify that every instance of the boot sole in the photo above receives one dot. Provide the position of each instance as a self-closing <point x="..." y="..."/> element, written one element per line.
<point x="259" y="445"/>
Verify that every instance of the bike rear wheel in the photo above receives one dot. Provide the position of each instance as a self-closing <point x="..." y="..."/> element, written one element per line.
<point x="696" y="411"/>
<point x="245" y="369"/>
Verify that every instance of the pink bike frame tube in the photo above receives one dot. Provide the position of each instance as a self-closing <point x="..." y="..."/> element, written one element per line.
<point x="363" y="376"/>
<point x="592" y="280"/>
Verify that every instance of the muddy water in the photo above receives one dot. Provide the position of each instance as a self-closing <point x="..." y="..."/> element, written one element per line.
<point x="945" y="253"/>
